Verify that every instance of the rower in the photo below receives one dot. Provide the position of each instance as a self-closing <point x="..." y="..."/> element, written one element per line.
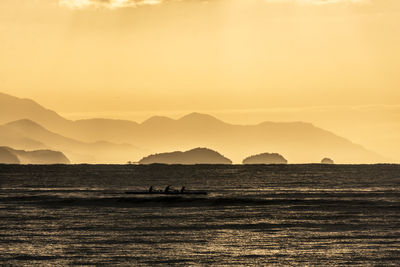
<point x="151" y="189"/>
<point x="182" y="189"/>
<point x="167" y="189"/>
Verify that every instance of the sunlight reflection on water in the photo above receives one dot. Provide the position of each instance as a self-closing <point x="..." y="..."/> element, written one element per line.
<point x="260" y="220"/>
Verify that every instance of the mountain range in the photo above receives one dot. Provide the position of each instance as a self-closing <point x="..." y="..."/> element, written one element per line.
<point x="24" y="124"/>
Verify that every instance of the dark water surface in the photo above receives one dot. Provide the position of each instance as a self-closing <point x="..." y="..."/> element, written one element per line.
<point x="254" y="215"/>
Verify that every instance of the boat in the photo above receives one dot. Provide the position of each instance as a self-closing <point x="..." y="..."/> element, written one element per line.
<point x="189" y="192"/>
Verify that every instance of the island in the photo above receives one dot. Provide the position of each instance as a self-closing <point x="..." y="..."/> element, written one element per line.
<point x="265" y="158"/>
<point x="327" y="161"/>
<point x="9" y="155"/>
<point x="190" y="157"/>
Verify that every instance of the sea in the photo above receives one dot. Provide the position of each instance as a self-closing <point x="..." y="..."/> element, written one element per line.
<point x="253" y="215"/>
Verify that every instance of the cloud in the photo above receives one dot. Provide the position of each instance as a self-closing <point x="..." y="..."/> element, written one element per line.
<point x="114" y="4"/>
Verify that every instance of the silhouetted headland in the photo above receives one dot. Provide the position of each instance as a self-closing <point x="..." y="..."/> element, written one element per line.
<point x="7" y="157"/>
<point x="194" y="156"/>
<point x="13" y="156"/>
<point x="265" y="158"/>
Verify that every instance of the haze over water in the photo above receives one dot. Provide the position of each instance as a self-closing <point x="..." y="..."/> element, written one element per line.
<point x="331" y="63"/>
<point x="254" y="215"/>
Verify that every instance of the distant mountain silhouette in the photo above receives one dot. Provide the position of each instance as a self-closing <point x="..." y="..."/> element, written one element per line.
<point x="12" y="138"/>
<point x="34" y="157"/>
<point x="327" y="161"/>
<point x="300" y="142"/>
<point x="194" y="156"/>
<point x="265" y="158"/>
<point x="199" y="120"/>
<point x="156" y="121"/>
<point x="100" y="151"/>
<point x="7" y="157"/>
<point x="13" y="108"/>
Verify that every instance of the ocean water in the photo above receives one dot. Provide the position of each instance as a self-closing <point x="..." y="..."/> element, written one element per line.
<point x="326" y="215"/>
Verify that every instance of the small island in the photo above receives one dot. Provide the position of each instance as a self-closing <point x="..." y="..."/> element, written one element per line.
<point x="190" y="157"/>
<point x="265" y="158"/>
<point x="13" y="156"/>
<point x="327" y="161"/>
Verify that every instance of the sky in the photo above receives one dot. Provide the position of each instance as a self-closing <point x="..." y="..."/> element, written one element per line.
<point x="330" y="62"/>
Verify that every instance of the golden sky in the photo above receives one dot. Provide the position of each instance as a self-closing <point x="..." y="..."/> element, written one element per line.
<point x="243" y="60"/>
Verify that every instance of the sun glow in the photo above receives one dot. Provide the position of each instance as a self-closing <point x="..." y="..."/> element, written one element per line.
<point x="229" y="58"/>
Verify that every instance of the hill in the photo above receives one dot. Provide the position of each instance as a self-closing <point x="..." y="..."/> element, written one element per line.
<point x="100" y="151"/>
<point x="14" y="108"/>
<point x="12" y="138"/>
<point x="194" y="156"/>
<point x="35" y="157"/>
<point x="7" y="157"/>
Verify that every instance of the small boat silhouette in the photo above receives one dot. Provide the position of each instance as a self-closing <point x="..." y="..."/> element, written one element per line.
<point x="167" y="191"/>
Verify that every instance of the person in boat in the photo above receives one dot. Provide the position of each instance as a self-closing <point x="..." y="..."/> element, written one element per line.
<point x="151" y="189"/>
<point x="167" y="189"/>
<point x="182" y="189"/>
